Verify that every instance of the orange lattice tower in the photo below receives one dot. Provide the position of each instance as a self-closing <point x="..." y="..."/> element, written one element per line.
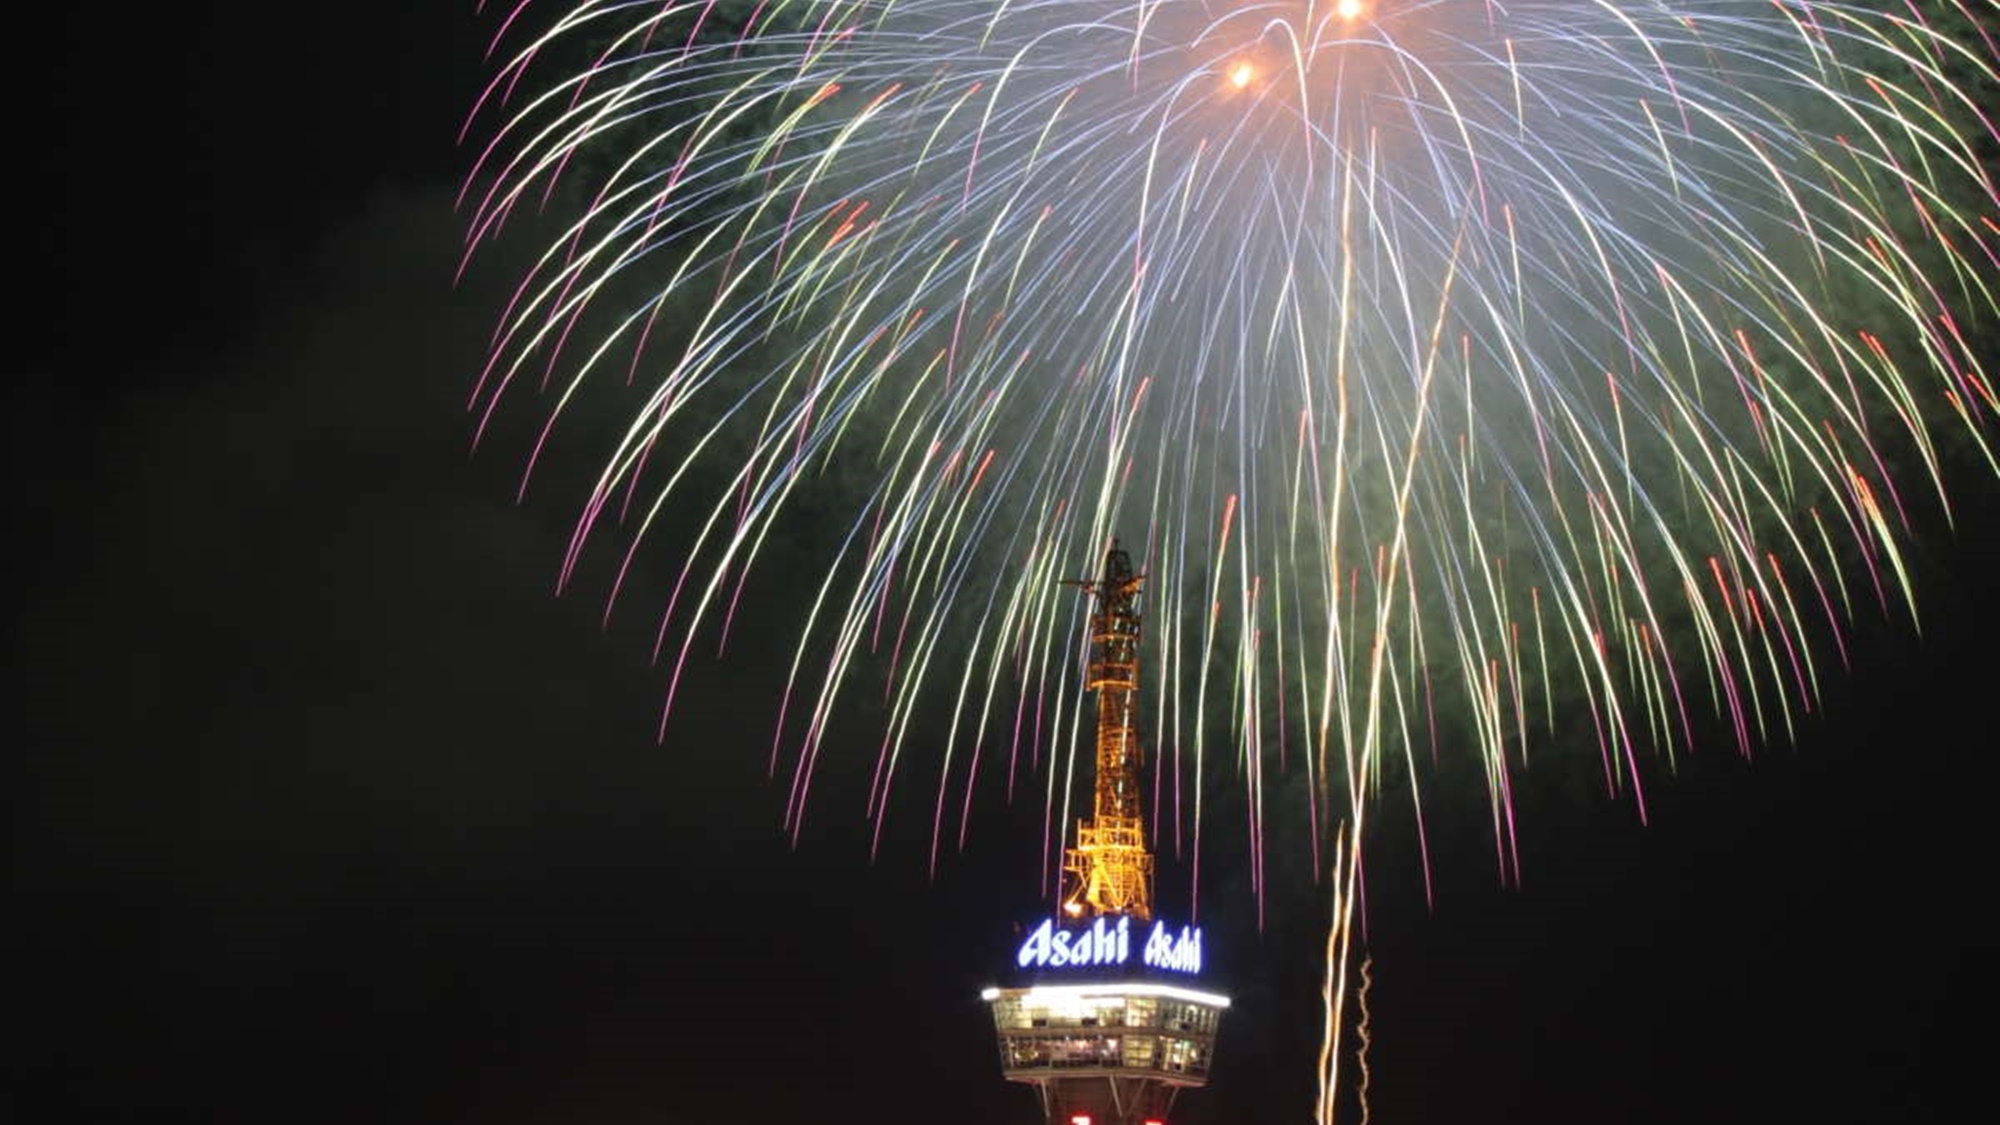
<point x="1110" y="870"/>
<point x="1104" y="1023"/>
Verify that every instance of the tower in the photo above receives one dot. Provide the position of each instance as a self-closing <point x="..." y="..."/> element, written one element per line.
<point x="1110" y="871"/>
<point x="1105" y="1021"/>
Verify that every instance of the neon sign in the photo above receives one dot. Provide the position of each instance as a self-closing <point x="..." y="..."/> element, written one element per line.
<point x="1106" y="943"/>
<point x="1164" y="950"/>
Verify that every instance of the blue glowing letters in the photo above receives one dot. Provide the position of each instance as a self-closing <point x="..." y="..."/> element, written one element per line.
<point x="1106" y="943"/>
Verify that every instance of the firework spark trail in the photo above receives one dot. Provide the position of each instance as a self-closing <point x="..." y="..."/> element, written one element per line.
<point x="1361" y="1033"/>
<point x="1548" y="366"/>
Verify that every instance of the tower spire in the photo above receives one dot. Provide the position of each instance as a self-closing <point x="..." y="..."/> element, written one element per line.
<point x="1110" y="870"/>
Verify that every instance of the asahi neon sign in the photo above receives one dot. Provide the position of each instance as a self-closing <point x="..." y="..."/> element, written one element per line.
<point x="1105" y="943"/>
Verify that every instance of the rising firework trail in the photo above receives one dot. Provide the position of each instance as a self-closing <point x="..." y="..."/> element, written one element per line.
<point x="1460" y="366"/>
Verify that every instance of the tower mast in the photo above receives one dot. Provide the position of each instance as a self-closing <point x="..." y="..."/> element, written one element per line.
<point x="1110" y="870"/>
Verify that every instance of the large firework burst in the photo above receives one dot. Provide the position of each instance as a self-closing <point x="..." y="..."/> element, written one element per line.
<point x="1456" y="363"/>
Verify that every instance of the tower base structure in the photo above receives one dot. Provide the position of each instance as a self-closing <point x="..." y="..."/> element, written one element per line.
<point x="1107" y="1052"/>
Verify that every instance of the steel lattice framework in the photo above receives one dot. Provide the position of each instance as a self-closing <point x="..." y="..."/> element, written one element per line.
<point x="1110" y="870"/>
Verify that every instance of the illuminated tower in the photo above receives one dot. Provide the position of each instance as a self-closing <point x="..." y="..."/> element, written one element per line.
<point x="1104" y="1022"/>
<point x="1110" y="871"/>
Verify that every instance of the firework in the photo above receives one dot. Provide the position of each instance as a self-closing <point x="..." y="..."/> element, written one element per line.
<point x="1456" y="367"/>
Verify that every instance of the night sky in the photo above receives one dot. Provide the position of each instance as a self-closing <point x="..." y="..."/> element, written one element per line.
<point x="325" y="809"/>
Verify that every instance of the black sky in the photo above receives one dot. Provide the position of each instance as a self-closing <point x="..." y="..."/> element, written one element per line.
<point x="324" y="809"/>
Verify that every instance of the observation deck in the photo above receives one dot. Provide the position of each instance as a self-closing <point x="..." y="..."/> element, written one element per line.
<point x="1114" y="1052"/>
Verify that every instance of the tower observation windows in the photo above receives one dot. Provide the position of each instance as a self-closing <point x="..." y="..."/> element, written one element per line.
<point x="1104" y="1028"/>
